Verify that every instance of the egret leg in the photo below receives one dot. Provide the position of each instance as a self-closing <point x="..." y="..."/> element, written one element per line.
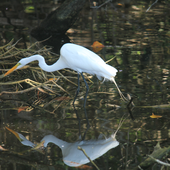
<point x="88" y="124"/>
<point x="77" y="92"/>
<point x="78" y="89"/>
<point x="87" y="89"/>
<point x="79" y="121"/>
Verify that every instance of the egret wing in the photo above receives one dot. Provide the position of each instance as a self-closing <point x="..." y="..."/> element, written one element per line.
<point x="81" y="59"/>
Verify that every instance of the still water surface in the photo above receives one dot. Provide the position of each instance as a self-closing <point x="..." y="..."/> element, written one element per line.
<point x="139" y="41"/>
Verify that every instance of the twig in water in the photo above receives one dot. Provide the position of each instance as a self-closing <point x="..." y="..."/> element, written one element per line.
<point x="140" y="167"/>
<point x="67" y="78"/>
<point x="158" y="161"/>
<point x="17" y="92"/>
<point x="9" y="44"/>
<point x="129" y="109"/>
<point x="88" y="157"/>
<point x="151" y="5"/>
<point x="100" y="5"/>
<point x="61" y="87"/>
<point x="17" y="42"/>
<point x="110" y="59"/>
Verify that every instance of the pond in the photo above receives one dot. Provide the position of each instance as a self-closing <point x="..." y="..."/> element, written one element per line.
<point x="37" y="106"/>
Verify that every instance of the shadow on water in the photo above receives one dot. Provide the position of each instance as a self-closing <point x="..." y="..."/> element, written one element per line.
<point x="38" y="105"/>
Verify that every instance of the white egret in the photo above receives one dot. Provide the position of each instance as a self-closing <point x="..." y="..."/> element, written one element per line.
<point x="77" y="58"/>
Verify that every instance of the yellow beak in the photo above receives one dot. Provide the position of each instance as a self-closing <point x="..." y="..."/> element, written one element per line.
<point x="12" y="69"/>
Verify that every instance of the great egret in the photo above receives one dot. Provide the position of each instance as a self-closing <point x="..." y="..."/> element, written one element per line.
<point x="77" y="58"/>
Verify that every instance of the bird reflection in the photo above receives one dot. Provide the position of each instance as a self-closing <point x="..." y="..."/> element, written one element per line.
<point x="72" y="156"/>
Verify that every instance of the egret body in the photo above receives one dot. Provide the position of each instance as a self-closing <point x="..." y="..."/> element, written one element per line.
<point x="77" y="58"/>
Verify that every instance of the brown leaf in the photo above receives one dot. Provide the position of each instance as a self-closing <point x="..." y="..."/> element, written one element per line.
<point x="97" y="46"/>
<point x="22" y="108"/>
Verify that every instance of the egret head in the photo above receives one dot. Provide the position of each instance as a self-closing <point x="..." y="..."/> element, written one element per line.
<point x="19" y="65"/>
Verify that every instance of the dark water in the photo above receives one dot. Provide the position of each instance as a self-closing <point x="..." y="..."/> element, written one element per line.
<point x="139" y="41"/>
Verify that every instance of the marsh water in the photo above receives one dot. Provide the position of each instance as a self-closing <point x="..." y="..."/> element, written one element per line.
<point x="138" y="44"/>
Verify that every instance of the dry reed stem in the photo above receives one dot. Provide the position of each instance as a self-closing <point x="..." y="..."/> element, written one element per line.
<point x="34" y="84"/>
<point x="60" y="87"/>
<point x="110" y="59"/>
<point x="14" y="54"/>
<point x="10" y="43"/>
<point x="7" y="52"/>
<point x="58" y="106"/>
<point x="17" y="92"/>
<point x="66" y="78"/>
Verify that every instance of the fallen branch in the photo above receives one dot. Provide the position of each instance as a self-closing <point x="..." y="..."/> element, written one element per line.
<point x="158" y="161"/>
<point x="88" y="157"/>
<point x="151" y="5"/>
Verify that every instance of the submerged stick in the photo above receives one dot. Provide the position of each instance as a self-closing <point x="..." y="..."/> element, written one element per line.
<point x="88" y="157"/>
<point x="158" y="161"/>
<point x="129" y="109"/>
<point x="151" y="5"/>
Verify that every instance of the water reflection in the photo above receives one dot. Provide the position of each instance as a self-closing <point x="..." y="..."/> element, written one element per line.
<point x="72" y="156"/>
